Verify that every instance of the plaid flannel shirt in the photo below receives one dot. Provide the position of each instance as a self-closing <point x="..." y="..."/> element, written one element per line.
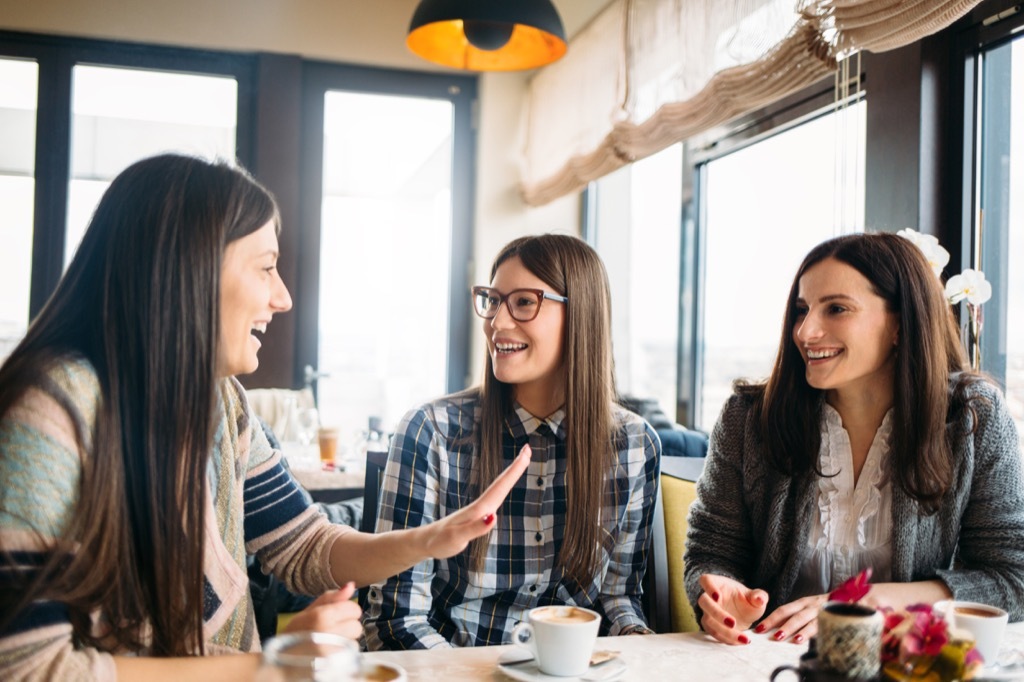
<point x="443" y="602"/>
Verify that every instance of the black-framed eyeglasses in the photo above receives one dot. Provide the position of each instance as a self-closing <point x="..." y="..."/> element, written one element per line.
<point x="523" y="304"/>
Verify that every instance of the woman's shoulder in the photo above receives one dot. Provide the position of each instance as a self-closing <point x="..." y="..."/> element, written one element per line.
<point x="450" y="416"/>
<point x="70" y="385"/>
<point x="42" y="439"/>
<point x="976" y="401"/>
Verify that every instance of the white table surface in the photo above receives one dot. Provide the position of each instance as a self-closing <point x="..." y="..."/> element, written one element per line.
<point x="677" y="656"/>
<point x="689" y="657"/>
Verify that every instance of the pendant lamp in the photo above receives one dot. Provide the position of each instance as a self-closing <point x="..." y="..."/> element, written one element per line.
<point x="487" y="35"/>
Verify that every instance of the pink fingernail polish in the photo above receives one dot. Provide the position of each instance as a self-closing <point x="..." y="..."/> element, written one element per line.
<point x="488" y="518"/>
<point x="729" y="622"/>
<point x="760" y="628"/>
<point x="714" y="596"/>
<point x="779" y="636"/>
<point x="798" y="639"/>
<point x="743" y="639"/>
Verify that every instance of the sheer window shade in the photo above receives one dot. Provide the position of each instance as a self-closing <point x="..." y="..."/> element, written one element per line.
<point x="645" y="74"/>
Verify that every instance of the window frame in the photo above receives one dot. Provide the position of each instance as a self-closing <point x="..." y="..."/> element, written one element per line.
<point x="56" y="58"/>
<point x="461" y="92"/>
<point x="983" y="32"/>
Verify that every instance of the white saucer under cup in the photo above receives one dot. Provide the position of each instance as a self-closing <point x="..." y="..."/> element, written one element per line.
<point x="561" y="638"/>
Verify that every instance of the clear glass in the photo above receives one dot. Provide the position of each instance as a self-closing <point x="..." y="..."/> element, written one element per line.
<point x="999" y="223"/>
<point x="121" y="115"/>
<point x="636" y="232"/>
<point x="385" y="232"/>
<point x="765" y="205"/>
<point x="18" y="95"/>
<point x="309" y="657"/>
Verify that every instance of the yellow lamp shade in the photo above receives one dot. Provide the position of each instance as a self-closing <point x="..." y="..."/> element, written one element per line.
<point x="487" y="35"/>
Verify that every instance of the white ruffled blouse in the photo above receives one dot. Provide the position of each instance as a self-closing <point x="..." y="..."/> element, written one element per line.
<point x="852" y="528"/>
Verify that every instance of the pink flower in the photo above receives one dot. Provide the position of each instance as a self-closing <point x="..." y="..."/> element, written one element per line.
<point x="927" y="636"/>
<point x="854" y="589"/>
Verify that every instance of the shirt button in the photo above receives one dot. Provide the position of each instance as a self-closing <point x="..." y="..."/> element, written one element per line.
<point x="540" y="481"/>
<point x="533" y="588"/>
<point x="538" y="537"/>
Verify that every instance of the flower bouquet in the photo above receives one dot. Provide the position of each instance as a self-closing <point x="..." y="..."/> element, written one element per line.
<point x="970" y="286"/>
<point x="917" y="644"/>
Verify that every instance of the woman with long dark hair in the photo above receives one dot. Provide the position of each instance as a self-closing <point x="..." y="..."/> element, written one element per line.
<point x="871" y="445"/>
<point x="135" y="476"/>
<point x="575" y="529"/>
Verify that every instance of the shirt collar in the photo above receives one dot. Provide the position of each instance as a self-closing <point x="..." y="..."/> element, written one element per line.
<point x="522" y="422"/>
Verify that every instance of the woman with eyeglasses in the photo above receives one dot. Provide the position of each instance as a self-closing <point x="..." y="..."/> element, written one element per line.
<point x="575" y="529"/>
<point x="135" y="476"/>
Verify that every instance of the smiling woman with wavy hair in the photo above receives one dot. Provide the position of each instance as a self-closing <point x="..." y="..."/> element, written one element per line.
<point x="870" y="445"/>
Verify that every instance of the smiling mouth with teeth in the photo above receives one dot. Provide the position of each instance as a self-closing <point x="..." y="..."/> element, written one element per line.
<point x="505" y="348"/>
<point x="822" y="354"/>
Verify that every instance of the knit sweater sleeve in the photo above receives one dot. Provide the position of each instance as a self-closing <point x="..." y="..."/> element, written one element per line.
<point x="719" y="537"/>
<point x="42" y="439"/>
<point x="290" y="537"/>
<point x="989" y="565"/>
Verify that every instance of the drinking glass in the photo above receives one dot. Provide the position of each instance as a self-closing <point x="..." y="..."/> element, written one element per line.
<point x="307" y="424"/>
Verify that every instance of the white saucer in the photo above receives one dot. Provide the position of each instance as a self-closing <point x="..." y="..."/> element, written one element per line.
<point x="512" y="664"/>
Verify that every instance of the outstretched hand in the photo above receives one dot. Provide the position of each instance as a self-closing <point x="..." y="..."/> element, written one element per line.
<point x="796" y="621"/>
<point x="452" y="534"/>
<point x="333" y="612"/>
<point x="729" y="607"/>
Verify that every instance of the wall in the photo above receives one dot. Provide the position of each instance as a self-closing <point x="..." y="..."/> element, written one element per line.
<point x="353" y="31"/>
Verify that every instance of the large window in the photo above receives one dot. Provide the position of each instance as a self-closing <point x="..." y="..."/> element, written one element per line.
<point x="764" y="206"/>
<point x="635" y="228"/>
<point x="996" y="214"/>
<point x="387" y="189"/>
<point x="18" y="96"/>
<point x="385" y="251"/>
<point x="122" y="115"/>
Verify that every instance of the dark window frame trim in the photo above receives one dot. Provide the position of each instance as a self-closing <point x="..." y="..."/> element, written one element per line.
<point x="56" y="56"/>
<point x="461" y="91"/>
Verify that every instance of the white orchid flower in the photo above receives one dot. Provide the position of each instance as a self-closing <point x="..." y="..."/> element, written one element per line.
<point x="971" y="285"/>
<point x="936" y="256"/>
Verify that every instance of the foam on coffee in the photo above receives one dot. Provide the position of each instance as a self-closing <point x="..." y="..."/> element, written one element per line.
<point x="976" y="611"/>
<point x="568" y="615"/>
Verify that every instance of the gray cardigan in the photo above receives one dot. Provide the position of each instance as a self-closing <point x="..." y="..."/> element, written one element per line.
<point x="751" y="523"/>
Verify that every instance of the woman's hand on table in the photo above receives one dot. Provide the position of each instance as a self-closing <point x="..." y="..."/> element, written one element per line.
<point x="796" y="621"/>
<point x="729" y="607"/>
<point x="452" y="534"/>
<point x="333" y="612"/>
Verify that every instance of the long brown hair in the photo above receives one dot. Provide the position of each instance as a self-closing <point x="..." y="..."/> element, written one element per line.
<point x="927" y="355"/>
<point x="139" y="302"/>
<point x="573" y="269"/>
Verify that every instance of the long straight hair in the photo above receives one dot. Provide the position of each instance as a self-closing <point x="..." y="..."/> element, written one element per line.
<point x="140" y="303"/>
<point x="573" y="269"/>
<point x="928" y="353"/>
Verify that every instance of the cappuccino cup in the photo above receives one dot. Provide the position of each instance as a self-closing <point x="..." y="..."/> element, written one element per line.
<point x="561" y="638"/>
<point x="983" y="623"/>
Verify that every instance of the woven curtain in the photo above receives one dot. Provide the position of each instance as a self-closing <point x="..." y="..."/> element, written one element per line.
<point x="646" y="74"/>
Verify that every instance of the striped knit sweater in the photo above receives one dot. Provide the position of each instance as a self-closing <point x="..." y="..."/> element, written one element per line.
<point x="254" y="507"/>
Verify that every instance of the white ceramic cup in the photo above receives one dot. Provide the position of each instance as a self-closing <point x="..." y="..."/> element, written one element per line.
<point x="561" y="638"/>
<point x="985" y="624"/>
